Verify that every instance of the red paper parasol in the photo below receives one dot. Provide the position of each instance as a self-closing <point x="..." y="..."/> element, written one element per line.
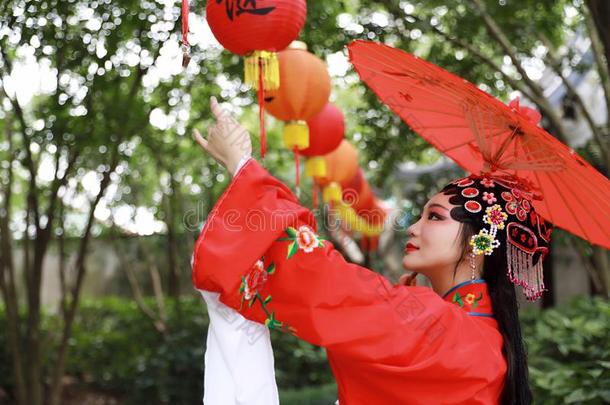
<point x="482" y="134"/>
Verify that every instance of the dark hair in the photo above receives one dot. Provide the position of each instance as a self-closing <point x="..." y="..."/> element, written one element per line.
<point x="504" y="303"/>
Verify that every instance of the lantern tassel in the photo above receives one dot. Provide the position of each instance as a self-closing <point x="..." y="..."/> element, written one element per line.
<point x="270" y="66"/>
<point x="262" y="72"/>
<point x="186" y="57"/>
<point x="314" y="194"/>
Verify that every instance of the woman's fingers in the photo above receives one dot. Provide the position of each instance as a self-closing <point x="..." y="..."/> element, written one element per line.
<point x="218" y="112"/>
<point x="408" y="279"/>
<point x="200" y="139"/>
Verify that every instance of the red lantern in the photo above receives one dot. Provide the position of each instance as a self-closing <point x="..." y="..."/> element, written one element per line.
<point x="326" y="131"/>
<point x="365" y="199"/>
<point x="257" y="30"/>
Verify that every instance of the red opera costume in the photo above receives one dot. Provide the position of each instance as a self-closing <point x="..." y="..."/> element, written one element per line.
<point x="386" y="344"/>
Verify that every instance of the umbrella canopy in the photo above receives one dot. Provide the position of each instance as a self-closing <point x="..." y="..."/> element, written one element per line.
<point x="484" y="135"/>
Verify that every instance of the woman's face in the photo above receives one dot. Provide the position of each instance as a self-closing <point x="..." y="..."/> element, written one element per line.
<point x="433" y="244"/>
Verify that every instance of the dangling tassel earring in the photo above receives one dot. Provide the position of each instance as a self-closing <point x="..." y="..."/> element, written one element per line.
<point x="473" y="265"/>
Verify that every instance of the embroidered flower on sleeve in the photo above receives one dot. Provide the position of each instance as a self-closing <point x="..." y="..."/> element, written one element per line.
<point x="255" y="280"/>
<point x="303" y="238"/>
<point x="250" y="288"/>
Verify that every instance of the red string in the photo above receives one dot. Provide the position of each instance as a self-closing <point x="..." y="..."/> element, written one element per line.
<point x="185" y="22"/>
<point x="374" y="243"/>
<point x="363" y="244"/>
<point x="261" y="108"/>
<point x="314" y="194"/>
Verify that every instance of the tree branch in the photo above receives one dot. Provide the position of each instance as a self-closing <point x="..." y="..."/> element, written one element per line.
<point x="556" y="65"/>
<point x="598" y="53"/>
<point x="31" y="165"/>
<point x="516" y="84"/>
<point x="498" y="35"/>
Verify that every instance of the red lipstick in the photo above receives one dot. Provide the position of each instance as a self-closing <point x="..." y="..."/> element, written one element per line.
<point x="410" y="247"/>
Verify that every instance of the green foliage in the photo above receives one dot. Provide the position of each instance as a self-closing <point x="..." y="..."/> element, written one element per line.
<point x="324" y="394"/>
<point x="115" y="349"/>
<point x="569" y="352"/>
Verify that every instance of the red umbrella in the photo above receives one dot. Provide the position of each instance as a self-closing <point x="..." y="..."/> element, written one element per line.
<point x="482" y="134"/>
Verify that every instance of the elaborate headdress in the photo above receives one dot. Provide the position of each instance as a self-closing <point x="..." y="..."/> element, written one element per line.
<point x="501" y="206"/>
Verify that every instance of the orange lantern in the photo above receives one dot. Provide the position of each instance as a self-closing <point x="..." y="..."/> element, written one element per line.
<point x="256" y="31"/>
<point x="304" y="93"/>
<point x="341" y="164"/>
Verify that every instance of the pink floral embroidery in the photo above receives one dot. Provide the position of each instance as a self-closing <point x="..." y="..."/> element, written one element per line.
<point x="306" y="239"/>
<point x="487" y="182"/>
<point x="255" y="280"/>
<point x="489" y="198"/>
<point x="250" y="288"/>
<point x="303" y="238"/>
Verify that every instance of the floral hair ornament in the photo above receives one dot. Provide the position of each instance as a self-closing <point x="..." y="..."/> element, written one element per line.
<point x="503" y="206"/>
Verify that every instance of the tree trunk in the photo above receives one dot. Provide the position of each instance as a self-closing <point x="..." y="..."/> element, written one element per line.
<point x="601" y="266"/>
<point x="56" y="387"/>
<point x="600" y="12"/>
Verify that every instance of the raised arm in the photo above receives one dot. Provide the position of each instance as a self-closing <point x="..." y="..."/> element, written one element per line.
<point x="259" y="249"/>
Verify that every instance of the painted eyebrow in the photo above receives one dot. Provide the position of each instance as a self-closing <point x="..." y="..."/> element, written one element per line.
<point x="438" y="205"/>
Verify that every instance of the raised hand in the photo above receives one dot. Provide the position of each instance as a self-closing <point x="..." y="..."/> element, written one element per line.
<point x="228" y="141"/>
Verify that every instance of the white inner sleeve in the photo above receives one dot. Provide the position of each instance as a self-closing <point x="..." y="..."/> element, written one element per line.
<point x="239" y="364"/>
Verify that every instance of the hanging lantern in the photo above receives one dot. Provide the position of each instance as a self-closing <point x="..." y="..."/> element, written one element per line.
<point x="326" y="131"/>
<point x="256" y="30"/>
<point x="304" y="93"/>
<point x="341" y="164"/>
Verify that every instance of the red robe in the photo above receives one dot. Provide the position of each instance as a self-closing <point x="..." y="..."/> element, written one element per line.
<point x="386" y="344"/>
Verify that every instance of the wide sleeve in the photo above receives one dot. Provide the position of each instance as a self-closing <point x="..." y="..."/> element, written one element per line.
<point x="239" y="364"/>
<point x="260" y="250"/>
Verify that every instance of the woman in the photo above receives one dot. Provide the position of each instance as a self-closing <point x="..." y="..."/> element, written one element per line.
<point x="457" y="343"/>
